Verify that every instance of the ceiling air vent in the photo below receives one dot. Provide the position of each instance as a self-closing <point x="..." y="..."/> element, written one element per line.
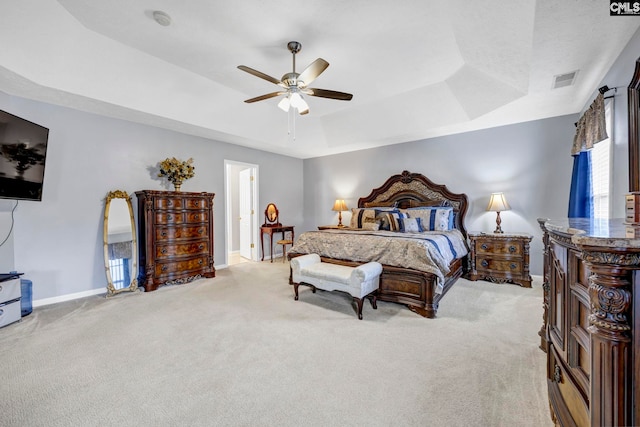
<point x="563" y="80"/>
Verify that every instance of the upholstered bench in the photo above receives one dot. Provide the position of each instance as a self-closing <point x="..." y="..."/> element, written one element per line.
<point x="359" y="282"/>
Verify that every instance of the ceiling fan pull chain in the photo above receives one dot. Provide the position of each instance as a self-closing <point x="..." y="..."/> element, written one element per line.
<point x="293" y="115"/>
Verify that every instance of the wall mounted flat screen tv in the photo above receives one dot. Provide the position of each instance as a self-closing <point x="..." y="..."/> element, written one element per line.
<point x="23" y="150"/>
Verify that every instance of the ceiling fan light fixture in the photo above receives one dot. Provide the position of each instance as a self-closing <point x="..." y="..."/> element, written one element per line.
<point x="295" y="84"/>
<point x="284" y="104"/>
<point x="296" y="100"/>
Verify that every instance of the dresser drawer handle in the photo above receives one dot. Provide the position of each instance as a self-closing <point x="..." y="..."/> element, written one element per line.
<point x="512" y="249"/>
<point x="164" y="233"/>
<point x="484" y="246"/>
<point x="557" y="374"/>
<point x="163" y="250"/>
<point x="200" y="231"/>
<point x="164" y="268"/>
<point x="513" y="266"/>
<point x="484" y="263"/>
<point x="169" y="217"/>
<point x="201" y="247"/>
<point x="200" y="262"/>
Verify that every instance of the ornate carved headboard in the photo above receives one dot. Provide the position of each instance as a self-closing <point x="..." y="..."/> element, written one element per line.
<point x="407" y="189"/>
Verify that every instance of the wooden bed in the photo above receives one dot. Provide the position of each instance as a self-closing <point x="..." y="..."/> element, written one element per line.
<point x="416" y="289"/>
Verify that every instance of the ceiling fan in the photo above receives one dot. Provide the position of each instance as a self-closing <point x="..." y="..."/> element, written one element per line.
<point x="295" y="85"/>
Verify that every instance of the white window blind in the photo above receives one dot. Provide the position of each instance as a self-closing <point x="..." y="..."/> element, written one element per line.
<point x="601" y="169"/>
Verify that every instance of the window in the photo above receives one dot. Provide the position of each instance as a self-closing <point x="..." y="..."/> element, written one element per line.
<point x="601" y="169"/>
<point x="119" y="272"/>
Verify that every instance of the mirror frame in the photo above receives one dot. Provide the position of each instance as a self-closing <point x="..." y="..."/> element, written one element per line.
<point x="633" y="99"/>
<point x="133" y="286"/>
<point x="272" y="222"/>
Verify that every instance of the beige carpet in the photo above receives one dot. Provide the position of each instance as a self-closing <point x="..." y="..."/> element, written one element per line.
<point x="237" y="350"/>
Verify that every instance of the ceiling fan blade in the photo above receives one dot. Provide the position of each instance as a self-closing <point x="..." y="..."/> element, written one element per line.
<point x="313" y="71"/>
<point x="260" y="74"/>
<point x="263" y="97"/>
<point x="332" y="94"/>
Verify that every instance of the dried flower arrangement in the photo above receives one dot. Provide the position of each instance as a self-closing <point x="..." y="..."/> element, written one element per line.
<point x="176" y="170"/>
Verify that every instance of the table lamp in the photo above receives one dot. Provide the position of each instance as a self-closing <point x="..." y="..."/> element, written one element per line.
<point x="497" y="203"/>
<point x="339" y="206"/>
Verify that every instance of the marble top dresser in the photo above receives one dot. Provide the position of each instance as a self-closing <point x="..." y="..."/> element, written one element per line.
<point x="591" y="322"/>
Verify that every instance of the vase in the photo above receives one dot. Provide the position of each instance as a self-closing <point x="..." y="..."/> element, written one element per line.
<point x="177" y="185"/>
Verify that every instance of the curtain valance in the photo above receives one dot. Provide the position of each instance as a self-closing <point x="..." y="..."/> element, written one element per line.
<point x="591" y="128"/>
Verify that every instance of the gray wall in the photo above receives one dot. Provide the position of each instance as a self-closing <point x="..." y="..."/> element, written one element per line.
<point x="530" y="162"/>
<point x="57" y="242"/>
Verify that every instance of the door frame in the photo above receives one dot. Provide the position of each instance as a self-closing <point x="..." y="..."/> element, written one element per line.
<point x="228" y="207"/>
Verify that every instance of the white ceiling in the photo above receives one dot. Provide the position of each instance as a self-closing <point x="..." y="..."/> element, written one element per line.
<point x="417" y="69"/>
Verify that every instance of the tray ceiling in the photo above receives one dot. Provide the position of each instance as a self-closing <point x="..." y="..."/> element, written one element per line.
<point x="417" y="69"/>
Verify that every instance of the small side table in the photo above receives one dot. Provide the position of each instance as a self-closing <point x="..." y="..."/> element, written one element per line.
<point x="269" y="230"/>
<point x="500" y="258"/>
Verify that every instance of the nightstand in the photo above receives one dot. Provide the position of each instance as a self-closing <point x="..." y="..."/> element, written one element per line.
<point x="500" y="258"/>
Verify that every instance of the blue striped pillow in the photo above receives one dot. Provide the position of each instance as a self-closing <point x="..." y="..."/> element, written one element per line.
<point x="394" y="217"/>
<point x="410" y="225"/>
<point x="434" y="219"/>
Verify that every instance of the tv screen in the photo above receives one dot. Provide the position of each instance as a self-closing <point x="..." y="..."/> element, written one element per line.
<point x="23" y="149"/>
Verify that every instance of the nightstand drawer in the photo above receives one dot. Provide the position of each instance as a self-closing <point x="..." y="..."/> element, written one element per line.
<point x="503" y="265"/>
<point x="506" y="247"/>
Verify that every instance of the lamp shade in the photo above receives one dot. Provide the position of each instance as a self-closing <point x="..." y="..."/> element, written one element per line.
<point x="498" y="203"/>
<point x="284" y="104"/>
<point x="339" y="205"/>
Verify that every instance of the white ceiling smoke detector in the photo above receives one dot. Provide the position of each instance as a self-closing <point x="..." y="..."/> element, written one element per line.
<point x="162" y="18"/>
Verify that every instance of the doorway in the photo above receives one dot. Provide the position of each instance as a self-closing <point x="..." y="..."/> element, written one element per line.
<point x="241" y="219"/>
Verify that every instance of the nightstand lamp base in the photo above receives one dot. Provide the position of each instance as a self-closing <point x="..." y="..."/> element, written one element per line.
<point x="498" y="222"/>
<point x="339" y="206"/>
<point x="497" y="204"/>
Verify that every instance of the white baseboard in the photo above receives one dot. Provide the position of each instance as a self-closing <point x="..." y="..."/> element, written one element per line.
<point x="68" y="297"/>
<point x="84" y="294"/>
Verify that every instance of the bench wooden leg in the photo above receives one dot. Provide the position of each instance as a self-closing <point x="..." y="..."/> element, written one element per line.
<point x="359" y="303"/>
<point x="295" y="288"/>
<point x="374" y="301"/>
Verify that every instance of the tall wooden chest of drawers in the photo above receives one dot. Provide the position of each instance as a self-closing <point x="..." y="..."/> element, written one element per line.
<point x="500" y="257"/>
<point x="175" y="231"/>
